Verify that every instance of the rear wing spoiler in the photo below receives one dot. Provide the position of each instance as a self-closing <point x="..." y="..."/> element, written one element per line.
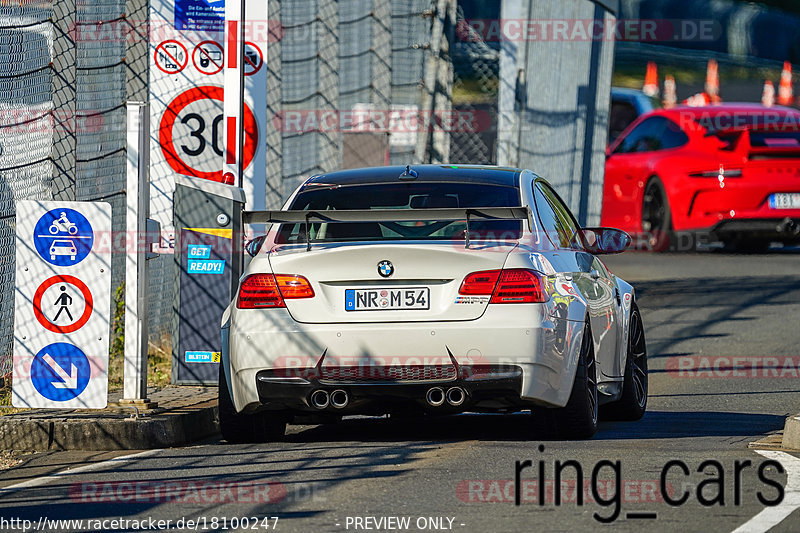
<point x="742" y="142"/>
<point x="387" y="215"/>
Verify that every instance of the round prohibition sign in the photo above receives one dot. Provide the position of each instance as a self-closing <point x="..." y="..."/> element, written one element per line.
<point x="172" y="152"/>
<point x="253" y="58"/>
<point x="207" y="57"/>
<point x="87" y="309"/>
<point x="171" y="57"/>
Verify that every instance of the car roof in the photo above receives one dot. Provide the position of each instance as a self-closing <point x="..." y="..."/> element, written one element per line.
<point x="485" y="174"/>
<point x="642" y="102"/>
<point x="624" y="92"/>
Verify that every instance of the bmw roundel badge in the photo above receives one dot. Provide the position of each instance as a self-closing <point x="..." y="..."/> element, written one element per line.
<point x="385" y="268"/>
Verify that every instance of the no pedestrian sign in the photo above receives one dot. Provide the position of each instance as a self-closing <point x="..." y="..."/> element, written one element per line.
<point x="62" y="305"/>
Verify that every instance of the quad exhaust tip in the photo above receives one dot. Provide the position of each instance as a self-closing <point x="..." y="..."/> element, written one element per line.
<point x="339" y="399"/>
<point x="456" y="396"/>
<point x="435" y="396"/>
<point x="320" y="399"/>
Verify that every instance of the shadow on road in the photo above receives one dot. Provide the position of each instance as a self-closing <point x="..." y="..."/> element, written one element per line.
<point x="725" y="299"/>
<point x="683" y="424"/>
<point x="521" y="427"/>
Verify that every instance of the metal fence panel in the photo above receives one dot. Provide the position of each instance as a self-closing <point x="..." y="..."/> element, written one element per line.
<point x="60" y="99"/>
<point x="395" y="61"/>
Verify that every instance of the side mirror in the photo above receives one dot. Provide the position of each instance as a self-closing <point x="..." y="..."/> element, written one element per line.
<point x="604" y="240"/>
<point x="253" y="246"/>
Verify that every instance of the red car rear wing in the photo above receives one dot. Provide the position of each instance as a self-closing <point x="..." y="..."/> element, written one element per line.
<point x="786" y="142"/>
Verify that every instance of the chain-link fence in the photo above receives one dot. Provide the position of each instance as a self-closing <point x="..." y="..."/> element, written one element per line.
<point x="476" y="69"/>
<point x="63" y="88"/>
<point x="350" y="83"/>
<point x="26" y="134"/>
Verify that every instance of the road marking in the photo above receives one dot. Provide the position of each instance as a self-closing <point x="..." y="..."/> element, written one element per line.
<point x="39" y="481"/>
<point x="769" y="517"/>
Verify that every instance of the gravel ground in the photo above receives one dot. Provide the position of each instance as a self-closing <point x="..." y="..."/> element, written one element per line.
<point x="8" y="459"/>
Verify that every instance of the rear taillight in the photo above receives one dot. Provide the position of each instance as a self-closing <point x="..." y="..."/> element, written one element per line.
<point x="269" y="290"/>
<point x="509" y="286"/>
<point x="518" y="286"/>
<point x="479" y="282"/>
<point x="724" y="172"/>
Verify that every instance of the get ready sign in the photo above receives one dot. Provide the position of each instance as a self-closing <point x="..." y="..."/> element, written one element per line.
<point x="62" y="305"/>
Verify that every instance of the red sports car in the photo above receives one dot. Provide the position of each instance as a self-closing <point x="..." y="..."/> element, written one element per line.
<point x="732" y="170"/>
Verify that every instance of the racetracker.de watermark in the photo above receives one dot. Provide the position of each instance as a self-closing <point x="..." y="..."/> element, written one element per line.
<point x="731" y="366"/>
<point x="570" y="30"/>
<point x="216" y="492"/>
<point x="27" y="121"/>
<point x="721" y="120"/>
<point x="130" y="30"/>
<point x="504" y="490"/>
<point x="379" y="368"/>
<point x="381" y="120"/>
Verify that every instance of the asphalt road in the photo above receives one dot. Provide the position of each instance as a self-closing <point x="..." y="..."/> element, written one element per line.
<point x="712" y="320"/>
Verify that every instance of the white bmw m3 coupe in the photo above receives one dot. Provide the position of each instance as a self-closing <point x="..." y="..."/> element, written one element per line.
<point x="425" y="290"/>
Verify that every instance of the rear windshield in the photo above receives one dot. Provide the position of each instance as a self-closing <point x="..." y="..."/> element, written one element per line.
<point x="415" y="195"/>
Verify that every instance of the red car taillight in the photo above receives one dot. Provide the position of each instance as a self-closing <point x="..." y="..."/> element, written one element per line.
<point x="517" y="286"/>
<point x="269" y="290"/>
<point x="726" y="173"/>
<point x="509" y="286"/>
<point x="479" y="283"/>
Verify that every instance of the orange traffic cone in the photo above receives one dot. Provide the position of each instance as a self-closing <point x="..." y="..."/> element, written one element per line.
<point x="768" y="94"/>
<point x="785" y="87"/>
<point x="712" y="82"/>
<point x="650" y="87"/>
<point x="697" y="100"/>
<point x="670" y="94"/>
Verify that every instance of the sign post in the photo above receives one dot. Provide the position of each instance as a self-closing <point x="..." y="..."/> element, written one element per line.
<point x="62" y="305"/>
<point x="234" y="89"/>
<point x="139" y="239"/>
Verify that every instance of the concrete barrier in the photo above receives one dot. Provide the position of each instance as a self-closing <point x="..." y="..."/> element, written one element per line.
<point x="791" y="433"/>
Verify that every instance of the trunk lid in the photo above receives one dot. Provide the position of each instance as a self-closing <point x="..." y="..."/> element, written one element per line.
<point x="433" y="270"/>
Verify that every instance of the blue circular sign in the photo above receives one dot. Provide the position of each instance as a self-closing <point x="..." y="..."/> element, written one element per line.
<point x="63" y="237"/>
<point x="60" y="371"/>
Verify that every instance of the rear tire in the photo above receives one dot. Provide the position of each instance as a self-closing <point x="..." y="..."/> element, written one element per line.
<point x="237" y="428"/>
<point x="633" y="402"/>
<point x="578" y="419"/>
<point x="656" y="216"/>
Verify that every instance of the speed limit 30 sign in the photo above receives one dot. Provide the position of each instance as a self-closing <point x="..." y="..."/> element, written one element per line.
<point x="193" y="145"/>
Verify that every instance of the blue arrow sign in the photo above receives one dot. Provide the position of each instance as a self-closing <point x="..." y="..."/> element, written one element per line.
<point x="60" y="371"/>
<point x="63" y="237"/>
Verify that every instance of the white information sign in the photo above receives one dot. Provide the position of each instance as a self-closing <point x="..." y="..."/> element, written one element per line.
<point x="62" y="305"/>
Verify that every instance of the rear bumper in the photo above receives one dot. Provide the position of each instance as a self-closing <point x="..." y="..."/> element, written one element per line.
<point x="544" y="348"/>
<point x="494" y="388"/>
<point x="740" y="207"/>
<point x="785" y="229"/>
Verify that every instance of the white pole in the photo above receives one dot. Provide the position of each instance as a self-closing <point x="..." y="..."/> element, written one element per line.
<point x="232" y="168"/>
<point x="136" y="211"/>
